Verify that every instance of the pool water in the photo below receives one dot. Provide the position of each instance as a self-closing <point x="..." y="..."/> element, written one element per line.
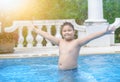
<point x="93" y="68"/>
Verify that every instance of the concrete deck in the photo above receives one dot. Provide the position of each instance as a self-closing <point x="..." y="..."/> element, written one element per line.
<point x="47" y="51"/>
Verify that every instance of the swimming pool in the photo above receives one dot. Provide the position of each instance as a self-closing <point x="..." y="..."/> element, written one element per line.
<point x="92" y="68"/>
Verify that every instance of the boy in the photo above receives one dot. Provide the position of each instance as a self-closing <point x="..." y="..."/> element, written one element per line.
<point x="68" y="46"/>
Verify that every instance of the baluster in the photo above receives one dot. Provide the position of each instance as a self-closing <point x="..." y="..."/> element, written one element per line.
<point x="78" y="33"/>
<point x="21" y="38"/>
<point x="39" y="39"/>
<point x="49" y="31"/>
<point x="29" y="37"/>
<point x="58" y="31"/>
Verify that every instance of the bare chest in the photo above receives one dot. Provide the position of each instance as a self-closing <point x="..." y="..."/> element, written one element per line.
<point x="68" y="48"/>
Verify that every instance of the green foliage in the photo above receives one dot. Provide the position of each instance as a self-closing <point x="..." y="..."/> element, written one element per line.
<point x="62" y="9"/>
<point x="117" y="36"/>
<point x="111" y="9"/>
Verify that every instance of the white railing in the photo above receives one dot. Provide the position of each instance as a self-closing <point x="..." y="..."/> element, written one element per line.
<point x="49" y="50"/>
<point x="20" y="25"/>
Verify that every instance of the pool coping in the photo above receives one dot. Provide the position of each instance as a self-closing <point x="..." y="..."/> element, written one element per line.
<point x="43" y="52"/>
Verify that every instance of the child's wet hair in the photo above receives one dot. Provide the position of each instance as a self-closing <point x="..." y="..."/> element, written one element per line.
<point x="64" y="24"/>
<point x="67" y="23"/>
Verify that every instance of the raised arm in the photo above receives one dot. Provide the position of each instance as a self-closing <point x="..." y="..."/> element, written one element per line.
<point x="95" y="35"/>
<point x="51" y="38"/>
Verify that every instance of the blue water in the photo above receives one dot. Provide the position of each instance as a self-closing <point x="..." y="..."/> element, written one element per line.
<point x="94" y="68"/>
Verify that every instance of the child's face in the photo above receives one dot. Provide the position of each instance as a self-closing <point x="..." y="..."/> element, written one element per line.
<point x="68" y="32"/>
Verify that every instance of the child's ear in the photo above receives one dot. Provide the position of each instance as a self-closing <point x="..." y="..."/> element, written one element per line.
<point x="74" y="32"/>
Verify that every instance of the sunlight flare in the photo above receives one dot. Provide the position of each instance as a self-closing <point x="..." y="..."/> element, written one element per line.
<point x="9" y="5"/>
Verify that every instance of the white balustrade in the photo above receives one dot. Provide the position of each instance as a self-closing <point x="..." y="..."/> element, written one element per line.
<point x="58" y="33"/>
<point x="49" y="31"/>
<point x="21" y="38"/>
<point x="29" y="37"/>
<point x="39" y="24"/>
<point x="11" y="28"/>
<point x="39" y="39"/>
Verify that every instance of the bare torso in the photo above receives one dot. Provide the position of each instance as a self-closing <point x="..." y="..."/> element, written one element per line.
<point x="69" y="52"/>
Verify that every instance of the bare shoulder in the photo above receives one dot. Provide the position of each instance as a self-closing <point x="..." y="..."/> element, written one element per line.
<point x="60" y="40"/>
<point x="80" y="41"/>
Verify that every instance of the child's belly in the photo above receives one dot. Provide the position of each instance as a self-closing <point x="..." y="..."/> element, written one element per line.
<point x="67" y="62"/>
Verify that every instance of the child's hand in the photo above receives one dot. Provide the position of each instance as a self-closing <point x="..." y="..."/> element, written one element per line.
<point x="34" y="29"/>
<point x="110" y="29"/>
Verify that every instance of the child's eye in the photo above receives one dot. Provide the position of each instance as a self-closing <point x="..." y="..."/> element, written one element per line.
<point x="69" y="30"/>
<point x="64" y="30"/>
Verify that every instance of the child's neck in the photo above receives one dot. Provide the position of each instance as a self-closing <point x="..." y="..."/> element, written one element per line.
<point x="68" y="40"/>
